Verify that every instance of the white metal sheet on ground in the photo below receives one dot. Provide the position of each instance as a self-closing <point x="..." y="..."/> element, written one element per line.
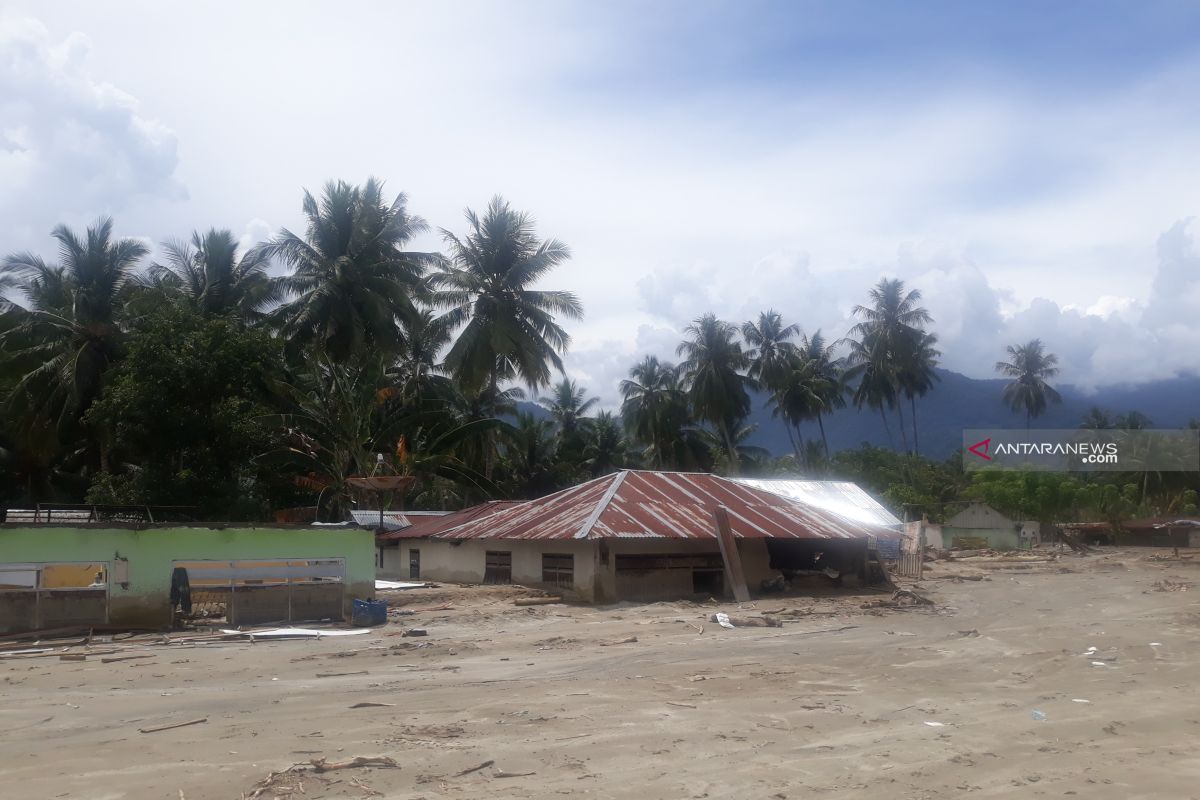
<point x="297" y="633"/>
<point x="398" y="585"/>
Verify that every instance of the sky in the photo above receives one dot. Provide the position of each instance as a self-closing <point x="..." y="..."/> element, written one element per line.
<point x="1032" y="168"/>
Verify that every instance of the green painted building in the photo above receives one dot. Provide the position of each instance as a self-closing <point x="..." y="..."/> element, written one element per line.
<point x="108" y="574"/>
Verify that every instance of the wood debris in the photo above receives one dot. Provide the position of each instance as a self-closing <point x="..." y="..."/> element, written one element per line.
<point x="172" y="726"/>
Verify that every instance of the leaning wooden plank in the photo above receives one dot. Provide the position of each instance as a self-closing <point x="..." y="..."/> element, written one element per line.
<point x="730" y="555"/>
<point x="173" y="725"/>
<point x="536" y="601"/>
<point x="115" y="659"/>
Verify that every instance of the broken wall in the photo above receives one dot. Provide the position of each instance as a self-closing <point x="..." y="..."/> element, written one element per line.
<point x="138" y="563"/>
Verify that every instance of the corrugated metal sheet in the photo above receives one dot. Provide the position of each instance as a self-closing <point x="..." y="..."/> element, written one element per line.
<point x="674" y="505"/>
<point x="424" y="525"/>
<point x="841" y="497"/>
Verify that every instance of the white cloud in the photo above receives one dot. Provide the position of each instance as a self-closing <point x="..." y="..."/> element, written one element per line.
<point x="1017" y="213"/>
<point x="71" y="147"/>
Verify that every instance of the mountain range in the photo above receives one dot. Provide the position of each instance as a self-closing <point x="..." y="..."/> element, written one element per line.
<point x="958" y="402"/>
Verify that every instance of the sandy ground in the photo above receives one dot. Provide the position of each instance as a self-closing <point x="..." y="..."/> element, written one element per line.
<point x="835" y="704"/>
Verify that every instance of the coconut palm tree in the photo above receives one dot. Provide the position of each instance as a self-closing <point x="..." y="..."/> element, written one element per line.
<point x="569" y="405"/>
<point x="606" y="449"/>
<point x="655" y="411"/>
<point x="886" y="337"/>
<point x="830" y="369"/>
<point x="799" y="396"/>
<point x="918" y="374"/>
<point x="214" y="278"/>
<point x="1030" y="367"/>
<point x="351" y="282"/>
<point x="712" y="372"/>
<point x="509" y="330"/>
<point x="67" y="334"/>
<point x="417" y="366"/>
<point x="771" y="349"/>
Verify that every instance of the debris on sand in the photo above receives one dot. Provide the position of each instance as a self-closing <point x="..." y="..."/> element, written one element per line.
<point x="726" y="621"/>
<point x="288" y="781"/>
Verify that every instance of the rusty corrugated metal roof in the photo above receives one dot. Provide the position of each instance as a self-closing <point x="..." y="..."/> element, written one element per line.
<point x="673" y="505"/>
<point x="425" y="525"/>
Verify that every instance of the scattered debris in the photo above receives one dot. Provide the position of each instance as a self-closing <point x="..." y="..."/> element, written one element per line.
<point x="73" y="657"/>
<point x="115" y="659"/>
<point x="626" y="640"/>
<point x="415" y="632"/>
<point x="933" y="724"/>
<point x="1038" y="716"/>
<point x="1079" y="700"/>
<point x="158" y="728"/>
<point x="681" y="705"/>
<point x="536" y="601"/>
<point x="398" y="585"/>
<point x="1168" y="585"/>
<point x="294" y="633"/>
<point x="971" y="634"/>
<point x="484" y="765"/>
<point x="317" y="765"/>
<point x="502" y="774"/>
<point x="369" y="704"/>
<point x="341" y="674"/>
<point x="367" y="790"/>
<point x="726" y="621"/>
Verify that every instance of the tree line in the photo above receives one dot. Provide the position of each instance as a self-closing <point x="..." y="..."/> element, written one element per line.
<point x="200" y="378"/>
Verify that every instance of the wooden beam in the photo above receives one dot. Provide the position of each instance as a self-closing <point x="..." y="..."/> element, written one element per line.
<point x="730" y="555"/>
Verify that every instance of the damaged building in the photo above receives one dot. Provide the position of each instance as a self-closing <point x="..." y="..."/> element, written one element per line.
<point x="57" y="573"/>
<point x="632" y="535"/>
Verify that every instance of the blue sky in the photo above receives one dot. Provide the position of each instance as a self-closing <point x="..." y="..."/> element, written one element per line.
<point x="1031" y="167"/>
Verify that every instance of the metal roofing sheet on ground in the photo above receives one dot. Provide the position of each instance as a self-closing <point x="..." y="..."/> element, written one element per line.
<point x="841" y="497"/>
<point x="677" y="505"/>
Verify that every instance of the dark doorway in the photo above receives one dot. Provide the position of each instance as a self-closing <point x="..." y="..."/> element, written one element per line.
<point x="708" y="582"/>
<point x="414" y="564"/>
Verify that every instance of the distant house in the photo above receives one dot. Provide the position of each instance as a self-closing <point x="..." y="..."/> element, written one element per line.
<point x="634" y="534"/>
<point x="1153" y="532"/>
<point x="980" y="525"/>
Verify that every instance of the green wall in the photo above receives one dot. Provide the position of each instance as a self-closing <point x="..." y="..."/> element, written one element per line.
<point x="151" y="551"/>
<point x="997" y="538"/>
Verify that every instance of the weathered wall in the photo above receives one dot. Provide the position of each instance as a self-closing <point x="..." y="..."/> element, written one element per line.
<point x="151" y="551"/>
<point x="670" y="583"/>
<point x="997" y="538"/>
<point x="595" y="572"/>
<point x="980" y="515"/>
<point x="462" y="561"/>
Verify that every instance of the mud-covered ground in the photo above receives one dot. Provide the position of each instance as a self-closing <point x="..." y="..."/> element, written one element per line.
<point x="846" y="700"/>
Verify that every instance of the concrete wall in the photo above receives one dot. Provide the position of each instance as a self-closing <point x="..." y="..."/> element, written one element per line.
<point x="462" y="560"/>
<point x="596" y="581"/>
<point x="145" y="599"/>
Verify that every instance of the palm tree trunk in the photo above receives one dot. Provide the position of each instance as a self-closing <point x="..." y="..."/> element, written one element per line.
<point x="903" y="433"/>
<point x="733" y="457"/>
<point x="792" y="438"/>
<point x="912" y="401"/>
<point x="489" y="455"/>
<point x="803" y="450"/>
<point x="887" y="428"/>
<point x="824" y="441"/>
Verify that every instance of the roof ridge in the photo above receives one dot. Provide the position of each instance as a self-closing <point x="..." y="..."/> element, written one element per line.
<point x="590" y="522"/>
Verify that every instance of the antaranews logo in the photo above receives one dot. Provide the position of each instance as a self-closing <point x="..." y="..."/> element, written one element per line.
<point x="1082" y="450"/>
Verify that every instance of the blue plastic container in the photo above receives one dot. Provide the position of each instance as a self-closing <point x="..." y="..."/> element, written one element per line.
<point x="367" y="613"/>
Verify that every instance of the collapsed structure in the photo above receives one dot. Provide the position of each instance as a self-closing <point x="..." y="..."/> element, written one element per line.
<point x="97" y="572"/>
<point x="632" y="535"/>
